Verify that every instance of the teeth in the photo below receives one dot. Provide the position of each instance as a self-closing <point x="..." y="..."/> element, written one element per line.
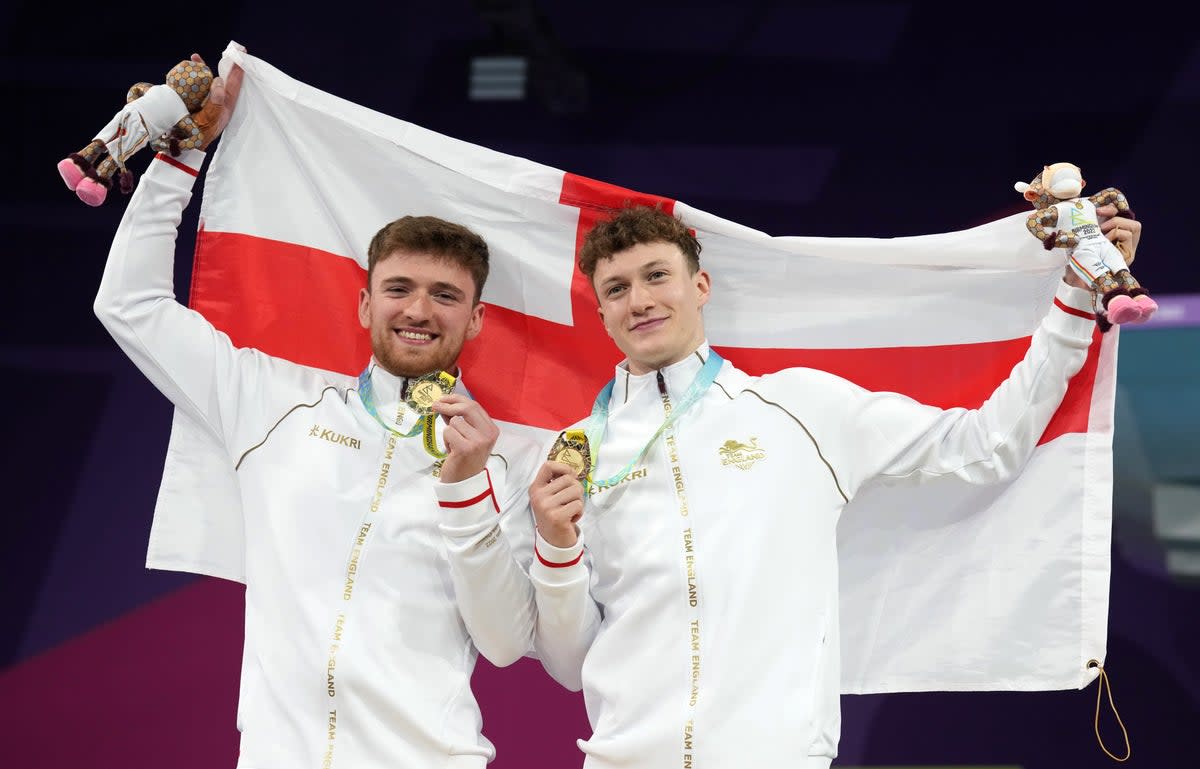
<point x="415" y="335"/>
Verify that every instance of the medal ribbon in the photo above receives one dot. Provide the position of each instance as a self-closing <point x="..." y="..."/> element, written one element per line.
<point x="598" y="423"/>
<point x="427" y="425"/>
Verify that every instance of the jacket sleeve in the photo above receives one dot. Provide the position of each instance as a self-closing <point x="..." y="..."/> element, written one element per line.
<point x="189" y="361"/>
<point x="898" y="440"/>
<point x="491" y="588"/>
<point x="516" y="597"/>
<point x="568" y="616"/>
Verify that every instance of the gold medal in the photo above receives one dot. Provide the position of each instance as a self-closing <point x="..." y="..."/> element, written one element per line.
<point x="428" y="390"/>
<point x="571" y="449"/>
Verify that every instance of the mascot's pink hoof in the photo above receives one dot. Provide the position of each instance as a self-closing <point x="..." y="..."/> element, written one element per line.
<point x="1122" y="309"/>
<point x="1147" y="305"/>
<point x="91" y="192"/>
<point x="70" y="173"/>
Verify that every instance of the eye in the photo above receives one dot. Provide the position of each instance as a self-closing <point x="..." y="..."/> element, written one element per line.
<point x="657" y="274"/>
<point x="445" y="297"/>
<point x="614" y="290"/>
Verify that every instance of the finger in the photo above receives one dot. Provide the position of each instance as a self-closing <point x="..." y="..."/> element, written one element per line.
<point x="570" y="484"/>
<point x="1117" y="222"/>
<point x="545" y="474"/>
<point x="474" y="415"/>
<point x="454" y="439"/>
<point x="546" y="492"/>
<point x="197" y="58"/>
<point x="568" y="512"/>
<point x="566" y="496"/>
<point x="1134" y="227"/>
<point x="233" y="86"/>
<point x="452" y="405"/>
<point x="208" y="118"/>
<point x="1126" y="241"/>
<point x="561" y="469"/>
<point x="448" y="400"/>
<point x="1108" y="210"/>
<point x="479" y="426"/>
<point x="444" y="410"/>
<point x="563" y="488"/>
<point x="557" y="515"/>
<point x="449" y="406"/>
<point x="467" y="430"/>
<point x="551" y="471"/>
<point x="217" y="92"/>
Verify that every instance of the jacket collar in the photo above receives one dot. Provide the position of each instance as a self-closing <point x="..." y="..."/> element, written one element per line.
<point x="677" y="376"/>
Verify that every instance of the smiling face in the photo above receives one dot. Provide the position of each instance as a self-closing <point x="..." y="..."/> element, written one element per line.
<point x="420" y="310"/>
<point x="650" y="303"/>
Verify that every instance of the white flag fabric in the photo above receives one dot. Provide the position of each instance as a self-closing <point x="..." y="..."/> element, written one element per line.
<point x="943" y="587"/>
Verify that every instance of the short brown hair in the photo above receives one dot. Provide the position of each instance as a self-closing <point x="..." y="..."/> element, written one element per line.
<point x="634" y="225"/>
<point x="433" y="236"/>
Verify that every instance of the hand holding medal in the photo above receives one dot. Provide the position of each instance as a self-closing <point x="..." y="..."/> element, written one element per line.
<point x="470" y="433"/>
<point x="556" y="495"/>
<point x="420" y="397"/>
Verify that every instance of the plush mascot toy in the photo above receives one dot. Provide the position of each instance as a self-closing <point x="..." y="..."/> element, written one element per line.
<point x="168" y="117"/>
<point x="1054" y="193"/>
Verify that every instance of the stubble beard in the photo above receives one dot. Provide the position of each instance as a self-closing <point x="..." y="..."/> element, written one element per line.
<point x="391" y="356"/>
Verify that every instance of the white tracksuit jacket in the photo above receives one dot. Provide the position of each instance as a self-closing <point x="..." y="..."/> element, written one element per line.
<point x="356" y="652"/>
<point x="714" y="564"/>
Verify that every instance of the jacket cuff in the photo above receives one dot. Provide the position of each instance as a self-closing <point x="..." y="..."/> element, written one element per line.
<point x="555" y="566"/>
<point x="178" y="171"/>
<point x="1072" y="314"/>
<point x="467" y="502"/>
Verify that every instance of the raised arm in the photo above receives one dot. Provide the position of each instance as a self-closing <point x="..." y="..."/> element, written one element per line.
<point x="901" y="440"/>
<point x="176" y="348"/>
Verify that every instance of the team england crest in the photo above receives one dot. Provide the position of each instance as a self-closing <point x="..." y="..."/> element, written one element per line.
<point x="741" y="455"/>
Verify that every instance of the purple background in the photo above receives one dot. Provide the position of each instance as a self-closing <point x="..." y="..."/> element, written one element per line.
<point x="857" y="118"/>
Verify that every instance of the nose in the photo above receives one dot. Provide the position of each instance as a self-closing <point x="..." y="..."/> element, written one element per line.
<point x="419" y="306"/>
<point x="640" y="298"/>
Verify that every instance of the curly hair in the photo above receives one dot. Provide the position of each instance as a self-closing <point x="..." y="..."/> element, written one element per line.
<point x="632" y="226"/>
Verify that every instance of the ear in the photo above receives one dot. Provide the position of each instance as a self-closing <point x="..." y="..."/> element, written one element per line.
<point x="476" y="323"/>
<point x="364" y="308"/>
<point x="1031" y="194"/>
<point x="703" y="284"/>
<point x="603" y="322"/>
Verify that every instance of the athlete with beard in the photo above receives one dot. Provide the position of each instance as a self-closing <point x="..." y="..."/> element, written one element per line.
<point x="357" y="651"/>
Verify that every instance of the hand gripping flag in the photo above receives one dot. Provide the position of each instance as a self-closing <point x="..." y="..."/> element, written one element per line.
<point x="943" y="587"/>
